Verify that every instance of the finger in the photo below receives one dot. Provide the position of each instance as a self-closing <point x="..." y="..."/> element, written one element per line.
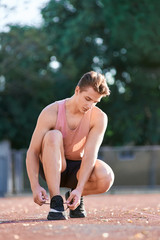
<point x="41" y="197"/>
<point x="44" y="198"/>
<point x="74" y="204"/>
<point x="73" y="207"/>
<point x="70" y="199"/>
<point x="38" y="202"/>
<point x="41" y="201"/>
<point x="44" y="194"/>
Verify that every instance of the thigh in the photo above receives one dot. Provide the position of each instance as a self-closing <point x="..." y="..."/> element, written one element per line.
<point x="101" y="170"/>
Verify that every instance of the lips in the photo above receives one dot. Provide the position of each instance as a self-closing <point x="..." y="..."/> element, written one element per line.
<point x="85" y="109"/>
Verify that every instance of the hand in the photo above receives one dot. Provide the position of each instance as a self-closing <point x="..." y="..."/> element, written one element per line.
<point x="40" y="195"/>
<point x="74" y="199"/>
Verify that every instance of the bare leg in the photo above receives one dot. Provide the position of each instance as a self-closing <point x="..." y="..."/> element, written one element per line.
<point x="53" y="160"/>
<point x="101" y="179"/>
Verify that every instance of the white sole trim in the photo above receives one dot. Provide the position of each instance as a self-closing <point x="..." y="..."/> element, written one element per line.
<point x="55" y="211"/>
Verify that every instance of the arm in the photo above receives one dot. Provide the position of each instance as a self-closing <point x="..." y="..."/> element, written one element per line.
<point x="45" y="122"/>
<point x="92" y="146"/>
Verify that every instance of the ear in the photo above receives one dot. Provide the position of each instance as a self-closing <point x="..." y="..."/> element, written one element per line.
<point x="77" y="90"/>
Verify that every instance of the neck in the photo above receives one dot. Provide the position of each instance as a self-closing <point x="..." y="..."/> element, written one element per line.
<point x="71" y="105"/>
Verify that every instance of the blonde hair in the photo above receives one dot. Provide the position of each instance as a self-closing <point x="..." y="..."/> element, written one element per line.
<point x="95" y="80"/>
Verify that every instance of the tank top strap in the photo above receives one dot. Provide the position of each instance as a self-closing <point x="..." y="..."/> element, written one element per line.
<point x="61" y="109"/>
<point x="61" y="116"/>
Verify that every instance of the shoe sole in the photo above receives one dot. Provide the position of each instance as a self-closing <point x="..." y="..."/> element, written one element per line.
<point x="54" y="219"/>
<point x="71" y="216"/>
<point x="57" y="217"/>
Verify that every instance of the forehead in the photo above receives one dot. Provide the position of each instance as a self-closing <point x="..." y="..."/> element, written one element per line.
<point x="90" y="92"/>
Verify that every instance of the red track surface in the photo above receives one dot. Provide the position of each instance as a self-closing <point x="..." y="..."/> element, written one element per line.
<point x="110" y="217"/>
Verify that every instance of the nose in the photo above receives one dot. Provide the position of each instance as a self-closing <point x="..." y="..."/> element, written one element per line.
<point x="90" y="105"/>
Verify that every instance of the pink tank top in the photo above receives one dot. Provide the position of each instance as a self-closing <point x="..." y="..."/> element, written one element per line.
<point x="74" y="140"/>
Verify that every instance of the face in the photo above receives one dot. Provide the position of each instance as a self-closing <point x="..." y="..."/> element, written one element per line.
<point x="87" y="99"/>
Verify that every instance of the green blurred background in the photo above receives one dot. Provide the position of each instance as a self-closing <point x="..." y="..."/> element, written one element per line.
<point x="118" y="38"/>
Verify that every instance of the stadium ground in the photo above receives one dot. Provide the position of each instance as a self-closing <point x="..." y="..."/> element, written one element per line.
<point x="117" y="217"/>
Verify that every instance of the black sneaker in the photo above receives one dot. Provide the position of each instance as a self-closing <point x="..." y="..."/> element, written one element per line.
<point x="56" y="209"/>
<point x="80" y="211"/>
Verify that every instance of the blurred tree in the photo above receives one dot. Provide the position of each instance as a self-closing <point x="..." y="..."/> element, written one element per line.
<point x="25" y="83"/>
<point x="117" y="38"/>
<point x="134" y="52"/>
<point x="120" y="39"/>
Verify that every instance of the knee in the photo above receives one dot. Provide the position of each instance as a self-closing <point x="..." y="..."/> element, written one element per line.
<point x="107" y="180"/>
<point x="52" y="137"/>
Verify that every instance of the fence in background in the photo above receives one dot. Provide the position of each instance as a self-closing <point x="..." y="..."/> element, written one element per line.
<point x="19" y="171"/>
<point x="5" y="168"/>
<point x="12" y="169"/>
<point x="133" y="166"/>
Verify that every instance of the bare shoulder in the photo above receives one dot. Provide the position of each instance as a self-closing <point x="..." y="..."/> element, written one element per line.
<point x="49" y="114"/>
<point x="99" y="118"/>
<point x="50" y="109"/>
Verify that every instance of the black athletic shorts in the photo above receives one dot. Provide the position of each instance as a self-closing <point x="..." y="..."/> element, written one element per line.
<point x="68" y="177"/>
